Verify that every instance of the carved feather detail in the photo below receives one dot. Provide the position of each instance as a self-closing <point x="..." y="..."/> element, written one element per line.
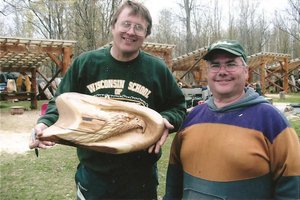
<point x="109" y="124"/>
<point x="103" y="124"/>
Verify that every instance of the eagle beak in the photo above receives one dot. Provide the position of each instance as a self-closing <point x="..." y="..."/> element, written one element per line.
<point x="142" y="125"/>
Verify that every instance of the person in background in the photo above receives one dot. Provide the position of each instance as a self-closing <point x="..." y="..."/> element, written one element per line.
<point x="236" y="145"/>
<point x="258" y="89"/>
<point x="121" y="71"/>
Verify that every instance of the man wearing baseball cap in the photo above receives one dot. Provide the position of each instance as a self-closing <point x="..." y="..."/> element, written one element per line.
<point x="231" y="46"/>
<point x="236" y="145"/>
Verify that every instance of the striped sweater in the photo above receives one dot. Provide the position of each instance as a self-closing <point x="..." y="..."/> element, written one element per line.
<point x="243" y="151"/>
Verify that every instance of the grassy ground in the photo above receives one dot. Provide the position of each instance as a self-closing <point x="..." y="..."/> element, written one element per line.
<point x="5" y="105"/>
<point x="290" y="98"/>
<point x="48" y="177"/>
<point x="296" y="125"/>
<point x="51" y="176"/>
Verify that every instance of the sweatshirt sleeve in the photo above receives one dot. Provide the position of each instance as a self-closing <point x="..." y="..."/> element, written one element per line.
<point x="283" y="152"/>
<point x="285" y="164"/>
<point x="174" y="107"/>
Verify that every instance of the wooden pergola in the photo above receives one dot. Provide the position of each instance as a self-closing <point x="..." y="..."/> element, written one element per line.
<point x="191" y="63"/>
<point x="277" y="72"/>
<point x="27" y="55"/>
<point x="163" y="51"/>
<point x="264" y="66"/>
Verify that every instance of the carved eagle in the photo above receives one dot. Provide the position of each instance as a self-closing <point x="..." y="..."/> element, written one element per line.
<point x="103" y="124"/>
<point x="107" y="124"/>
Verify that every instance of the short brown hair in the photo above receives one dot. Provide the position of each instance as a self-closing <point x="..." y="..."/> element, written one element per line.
<point x="137" y="9"/>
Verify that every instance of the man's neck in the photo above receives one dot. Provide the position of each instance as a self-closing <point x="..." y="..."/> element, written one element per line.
<point x="124" y="57"/>
<point x="221" y="102"/>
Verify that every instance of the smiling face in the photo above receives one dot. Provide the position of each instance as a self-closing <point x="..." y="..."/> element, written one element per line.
<point x="126" y="44"/>
<point x="227" y="85"/>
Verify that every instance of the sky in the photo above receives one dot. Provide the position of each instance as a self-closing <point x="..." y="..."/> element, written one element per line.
<point x="155" y="6"/>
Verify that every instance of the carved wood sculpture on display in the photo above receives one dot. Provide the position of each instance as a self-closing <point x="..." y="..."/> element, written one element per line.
<point x="104" y="125"/>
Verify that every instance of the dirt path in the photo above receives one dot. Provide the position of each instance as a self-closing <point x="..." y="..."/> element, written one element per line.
<point x="16" y="130"/>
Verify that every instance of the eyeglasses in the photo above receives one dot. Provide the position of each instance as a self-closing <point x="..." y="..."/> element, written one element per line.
<point x="139" y="30"/>
<point x="229" y="67"/>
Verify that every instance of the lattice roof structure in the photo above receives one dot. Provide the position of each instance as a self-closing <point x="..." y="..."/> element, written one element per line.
<point x="163" y="51"/>
<point x="293" y="65"/>
<point x="184" y="62"/>
<point x="21" y="54"/>
<point x="27" y="55"/>
<point x="191" y="62"/>
<point x="260" y="63"/>
<point x="267" y="58"/>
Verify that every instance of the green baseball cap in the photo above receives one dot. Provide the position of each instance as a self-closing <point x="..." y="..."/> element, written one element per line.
<point x="231" y="46"/>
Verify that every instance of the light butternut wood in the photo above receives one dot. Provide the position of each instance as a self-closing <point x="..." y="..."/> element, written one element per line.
<point x="104" y="125"/>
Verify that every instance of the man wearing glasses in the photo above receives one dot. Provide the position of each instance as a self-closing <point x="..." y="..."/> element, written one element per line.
<point x="121" y="72"/>
<point x="236" y="145"/>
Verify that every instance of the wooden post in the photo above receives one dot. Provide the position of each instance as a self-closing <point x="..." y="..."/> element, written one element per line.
<point x="250" y="72"/>
<point x="67" y="54"/>
<point x="33" y="89"/>
<point x="262" y="77"/>
<point x="286" y="75"/>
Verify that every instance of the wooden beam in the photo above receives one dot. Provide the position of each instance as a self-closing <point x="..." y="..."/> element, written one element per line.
<point x="49" y="82"/>
<point x="29" y="48"/>
<point x="67" y="55"/>
<point x="42" y="75"/>
<point x="183" y="82"/>
<point x="286" y="76"/>
<point x="34" y="89"/>
<point x="262" y="77"/>
<point x="55" y="60"/>
<point x="274" y="84"/>
<point x="3" y="54"/>
<point x="16" y="69"/>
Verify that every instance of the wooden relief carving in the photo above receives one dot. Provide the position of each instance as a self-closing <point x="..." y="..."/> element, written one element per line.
<point x="104" y="125"/>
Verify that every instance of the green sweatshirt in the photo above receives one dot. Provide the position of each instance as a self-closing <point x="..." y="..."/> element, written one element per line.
<point x="145" y="80"/>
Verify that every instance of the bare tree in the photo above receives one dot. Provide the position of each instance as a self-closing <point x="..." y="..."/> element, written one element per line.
<point x="289" y="20"/>
<point x="45" y="16"/>
<point x="108" y="8"/>
<point x="187" y="6"/>
<point x="216" y="21"/>
<point x="85" y="23"/>
<point x="195" y="23"/>
<point x="165" y="30"/>
<point x="92" y="22"/>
